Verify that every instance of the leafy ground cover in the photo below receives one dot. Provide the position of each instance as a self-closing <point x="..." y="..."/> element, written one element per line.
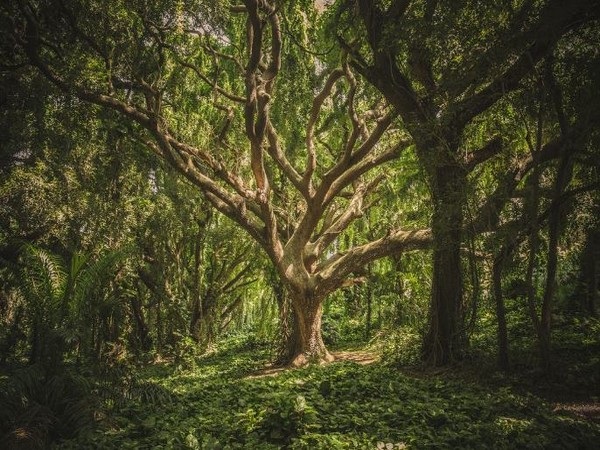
<point x="225" y="401"/>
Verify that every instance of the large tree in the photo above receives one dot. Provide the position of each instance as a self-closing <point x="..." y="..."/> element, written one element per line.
<point x="444" y="66"/>
<point x="214" y="91"/>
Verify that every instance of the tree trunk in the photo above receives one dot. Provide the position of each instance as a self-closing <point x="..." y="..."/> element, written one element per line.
<point x="445" y="339"/>
<point x="35" y="350"/>
<point x="288" y="331"/>
<point x="203" y="323"/>
<point x="195" y="320"/>
<point x="308" y="343"/>
<point x="500" y="312"/>
<point x="563" y="178"/>
<point x="142" y="331"/>
<point x="593" y="283"/>
<point x="13" y="336"/>
<point x="197" y="311"/>
<point x="369" y="311"/>
<point x="546" y="315"/>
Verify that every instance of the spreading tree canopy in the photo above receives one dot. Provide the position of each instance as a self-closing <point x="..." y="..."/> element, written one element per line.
<point x="289" y="121"/>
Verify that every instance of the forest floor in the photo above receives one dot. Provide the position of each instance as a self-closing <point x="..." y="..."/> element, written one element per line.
<point x="361" y="357"/>
<point x="230" y="400"/>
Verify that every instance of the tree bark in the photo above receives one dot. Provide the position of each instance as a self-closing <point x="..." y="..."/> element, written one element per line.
<point x="13" y="336"/>
<point x="503" y="363"/>
<point x="563" y="178"/>
<point x="369" y="311"/>
<point x="308" y="343"/>
<point x="287" y="333"/>
<point x="196" y="319"/>
<point x="445" y="340"/>
<point x="142" y="331"/>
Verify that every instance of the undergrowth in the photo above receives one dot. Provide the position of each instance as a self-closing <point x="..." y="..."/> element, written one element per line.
<point x="222" y="400"/>
<point x="215" y="404"/>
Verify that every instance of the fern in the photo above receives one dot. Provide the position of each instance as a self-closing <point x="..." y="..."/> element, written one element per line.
<point x="37" y="407"/>
<point x="46" y="273"/>
<point x="59" y="297"/>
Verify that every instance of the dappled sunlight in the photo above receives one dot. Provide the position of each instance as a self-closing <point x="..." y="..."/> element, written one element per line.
<point x="299" y="224"/>
<point x="354" y="402"/>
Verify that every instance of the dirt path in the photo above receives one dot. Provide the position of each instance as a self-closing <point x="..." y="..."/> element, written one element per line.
<point x="589" y="411"/>
<point x="362" y="357"/>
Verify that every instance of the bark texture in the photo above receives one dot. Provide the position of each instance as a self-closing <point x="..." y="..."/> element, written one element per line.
<point x="445" y="340"/>
<point x="308" y="345"/>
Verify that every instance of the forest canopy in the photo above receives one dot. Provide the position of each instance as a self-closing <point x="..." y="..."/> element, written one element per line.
<point x="420" y="175"/>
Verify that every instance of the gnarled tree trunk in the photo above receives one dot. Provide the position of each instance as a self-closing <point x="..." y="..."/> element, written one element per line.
<point x="306" y="341"/>
<point x="287" y="332"/>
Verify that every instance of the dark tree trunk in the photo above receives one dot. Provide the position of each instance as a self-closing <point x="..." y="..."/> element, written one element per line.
<point x="593" y="281"/>
<point x="503" y="363"/>
<point x="546" y="315"/>
<point x="13" y="336"/>
<point x="445" y="340"/>
<point x="36" y="344"/>
<point x="585" y="297"/>
<point x="563" y="178"/>
<point x="196" y="319"/>
<point x="159" y="326"/>
<point x="141" y="327"/>
<point x="369" y="311"/>
<point x="197" y="310"/>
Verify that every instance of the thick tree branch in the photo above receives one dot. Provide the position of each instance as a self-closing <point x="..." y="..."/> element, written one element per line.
<point x="555" y="21"/>
<point x="489" y="150"/>
<point x="339" y="266"/>
<point x="311" y="161"/>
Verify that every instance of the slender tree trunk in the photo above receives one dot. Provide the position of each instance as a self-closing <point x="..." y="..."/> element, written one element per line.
<point x="159" y="326"/>
<point x="12" y="337"/>
<point x="593" y="282"/>
<point x="197" y="312"/>
<point x="445" y="340"/>
<point x="209" y="323"/>
<point x="593" y="285"/>
<point x="35" y="351"/>
<point x="563" y="178"/>
<point x="369" y="311"/>
<point x="585" y="297"/>
<point x="546" y="315"/>
<point x="500" y="311"/>
<point x="196" y="320"/>
<point x="140" y="323"/>
<point x="531" y="211"/>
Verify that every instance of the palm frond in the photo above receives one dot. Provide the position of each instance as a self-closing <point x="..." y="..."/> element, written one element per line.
<point x="95" y="276"/>
<point x="44" y="277"/>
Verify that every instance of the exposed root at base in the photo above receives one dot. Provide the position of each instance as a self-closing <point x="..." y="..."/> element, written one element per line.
<point x="361" y="357"/>
<point x="303" y="360"/>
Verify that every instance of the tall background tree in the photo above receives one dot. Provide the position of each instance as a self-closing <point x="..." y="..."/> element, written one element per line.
<point x="450" y="81"/>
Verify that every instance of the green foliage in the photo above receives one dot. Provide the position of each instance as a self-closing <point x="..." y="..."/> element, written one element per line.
<point x="57" y="296"/>
<point x="400" y="346"/>
<point x="38" y="407"/>
<point x="285" y="419"/>
<point x="343" y="405"/>
<point x="77" y="184"/>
